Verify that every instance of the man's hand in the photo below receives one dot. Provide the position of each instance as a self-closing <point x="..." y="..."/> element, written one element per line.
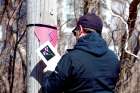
<point x="38" y="72"/>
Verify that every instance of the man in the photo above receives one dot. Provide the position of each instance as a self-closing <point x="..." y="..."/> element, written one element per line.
<point x="90" y="67"/>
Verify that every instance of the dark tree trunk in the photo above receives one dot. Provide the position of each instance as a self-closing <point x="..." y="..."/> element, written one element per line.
<point x="127" y="61"/>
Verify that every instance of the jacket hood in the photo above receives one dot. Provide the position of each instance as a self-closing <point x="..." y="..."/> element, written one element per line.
<point x="92" y="43"/>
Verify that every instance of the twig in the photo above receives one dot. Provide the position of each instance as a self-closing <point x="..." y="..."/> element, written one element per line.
<point x="4" y="9"/>
<point x="127" y="33"/>
<point x="15" y="50"/>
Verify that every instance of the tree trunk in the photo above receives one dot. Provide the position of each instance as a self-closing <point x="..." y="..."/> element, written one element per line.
<point x="127" y="77"/>
<point x="38" y="12"/>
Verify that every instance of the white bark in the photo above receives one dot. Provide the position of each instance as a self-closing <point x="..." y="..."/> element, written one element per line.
<point x="38" y="12"/>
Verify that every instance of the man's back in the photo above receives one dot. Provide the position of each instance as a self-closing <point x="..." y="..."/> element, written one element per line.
<point x="92" y="74"/>
<point x="89" y="68"/>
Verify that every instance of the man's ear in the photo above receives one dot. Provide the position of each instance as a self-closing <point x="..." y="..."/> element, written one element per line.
<point x="81" y="30"/>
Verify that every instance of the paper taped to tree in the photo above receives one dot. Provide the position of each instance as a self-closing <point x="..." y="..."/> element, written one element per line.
<point x="49" y="55"/>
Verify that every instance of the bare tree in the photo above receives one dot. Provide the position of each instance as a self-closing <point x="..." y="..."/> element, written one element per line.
<point x="13" y="63"/>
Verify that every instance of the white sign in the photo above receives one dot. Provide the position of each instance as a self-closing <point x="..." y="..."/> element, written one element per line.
<point x="49" y="55"/>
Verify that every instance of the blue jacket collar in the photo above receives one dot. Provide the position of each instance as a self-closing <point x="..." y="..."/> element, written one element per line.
<point x="92" y="43"/>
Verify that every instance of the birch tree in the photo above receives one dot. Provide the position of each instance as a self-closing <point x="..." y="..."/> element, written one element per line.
<point x="38" y="12"/>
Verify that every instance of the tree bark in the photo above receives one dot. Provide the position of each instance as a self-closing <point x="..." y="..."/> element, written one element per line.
<point x="132" y="15"/>
<point x="38" y="12"/>
<point x="127" y="61"/>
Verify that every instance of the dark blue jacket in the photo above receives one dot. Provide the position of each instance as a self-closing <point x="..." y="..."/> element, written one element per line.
<point x="88" y="68"/>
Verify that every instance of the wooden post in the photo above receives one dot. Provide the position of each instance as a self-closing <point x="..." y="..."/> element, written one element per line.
<point x="38" y="12"/>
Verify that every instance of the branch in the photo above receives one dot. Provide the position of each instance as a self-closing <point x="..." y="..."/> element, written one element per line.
<point x="127" y="33"/>
<point x="11" y="20"/>
<point x="4" y="9"/>
<point x="16" y="44"/>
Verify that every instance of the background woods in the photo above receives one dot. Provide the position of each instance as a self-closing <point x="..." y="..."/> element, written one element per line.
<point x="121" y="31"/>
<point x="13" y="46"/>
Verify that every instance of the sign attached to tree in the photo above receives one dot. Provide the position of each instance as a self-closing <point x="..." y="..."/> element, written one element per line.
<point x="49" y="55"/>
<point x="47" y="36"/>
